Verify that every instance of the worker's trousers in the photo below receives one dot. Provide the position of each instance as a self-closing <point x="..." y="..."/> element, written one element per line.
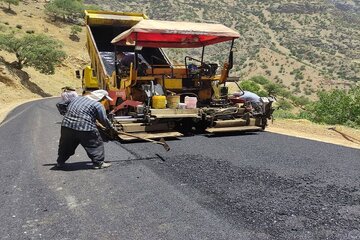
<point x="90" y="140"/>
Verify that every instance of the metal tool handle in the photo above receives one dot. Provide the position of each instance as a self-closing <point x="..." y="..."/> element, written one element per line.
<point x="160" y="142"/>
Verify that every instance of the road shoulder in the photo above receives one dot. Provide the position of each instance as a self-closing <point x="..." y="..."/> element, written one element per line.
<point x="339" y="135"/>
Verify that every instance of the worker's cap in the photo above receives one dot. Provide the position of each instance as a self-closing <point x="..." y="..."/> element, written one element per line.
<point x="98" y="95"/>
<point x="68" y="88"/>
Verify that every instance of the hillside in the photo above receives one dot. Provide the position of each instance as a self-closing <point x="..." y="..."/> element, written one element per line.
<point x="305" y="45"/>
<point x="263" y="48"/>
<point x="17" y="86"/>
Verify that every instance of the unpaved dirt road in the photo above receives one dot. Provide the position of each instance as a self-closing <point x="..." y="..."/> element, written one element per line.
<point x="249" y="186"/>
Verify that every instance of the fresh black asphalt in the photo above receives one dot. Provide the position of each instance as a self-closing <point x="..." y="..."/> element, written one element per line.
<point x="247" y="186"/>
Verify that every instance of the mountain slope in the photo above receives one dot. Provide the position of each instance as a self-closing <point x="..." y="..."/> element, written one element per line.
<point x="17" y="86"/>
<point x="305" y="46"/>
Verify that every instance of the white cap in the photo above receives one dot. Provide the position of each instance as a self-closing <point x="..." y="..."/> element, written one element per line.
<point x="97" y="95"/>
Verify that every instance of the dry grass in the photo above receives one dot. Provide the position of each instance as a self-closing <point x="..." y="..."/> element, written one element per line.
<point x="12" y="89"/>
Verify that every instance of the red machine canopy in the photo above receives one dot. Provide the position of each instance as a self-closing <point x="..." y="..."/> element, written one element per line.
<point x="169" y="34"/>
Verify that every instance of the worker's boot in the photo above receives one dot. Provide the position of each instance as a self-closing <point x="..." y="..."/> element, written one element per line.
<point x="60" y="165"/>
<point x="102" y="165"/>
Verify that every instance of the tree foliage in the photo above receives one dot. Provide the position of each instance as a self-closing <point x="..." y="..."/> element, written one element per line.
<point x="250" y="86"/>
<point x="273" y="88"/>
<point x="34" y="50"/>
<point x="284" y="104"/>
<point x="299" y="101"/>
<point x="254" y="85"/>
<point x="13" y="2"/>
<point x="64" y="8"/>
<point x="332" y="107"/>
<point x="260" y="80"/>
<point x="337" y="107"/>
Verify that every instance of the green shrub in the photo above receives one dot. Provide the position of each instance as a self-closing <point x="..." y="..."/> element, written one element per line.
<point x="299" y="101"/>
<point x="336" y="107"/>
<point x="285" y="93"/>
<point x="284" y="104"/>
<point x="305" y="115"/>
<point x="250" y="86"/>
<point x="260" y="80"/>
<point x="284" y="114"/>
<point x="273" y="88"/>
<point x="262" y="93"/>
<point x="332" y="107"/>
<point x="75" y="30"/>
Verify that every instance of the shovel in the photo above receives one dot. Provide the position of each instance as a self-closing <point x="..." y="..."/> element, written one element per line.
<point x="161" y="141"/>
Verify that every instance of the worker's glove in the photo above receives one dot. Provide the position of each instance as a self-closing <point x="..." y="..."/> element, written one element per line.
<point x="113" y="133"/>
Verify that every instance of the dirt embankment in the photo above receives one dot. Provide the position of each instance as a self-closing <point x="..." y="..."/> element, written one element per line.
<point x="18" y="86"/>
<point x="339" y="135"/>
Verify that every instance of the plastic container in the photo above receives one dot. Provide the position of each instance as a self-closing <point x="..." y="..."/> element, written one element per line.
<point x="140" y="109"/>
<point x="173" y="101"/>
<point x="181" y="105"/>
<point x="158" y="102"/>
<point x="190" y="102"/>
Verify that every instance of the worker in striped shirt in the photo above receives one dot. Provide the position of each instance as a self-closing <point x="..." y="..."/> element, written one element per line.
<point x="79" y="127"/>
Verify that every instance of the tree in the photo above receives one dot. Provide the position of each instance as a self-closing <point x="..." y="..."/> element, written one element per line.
<point x="250" y="86"/>
<point x="284" y="104"/>
<point x="332" y="107"/>
<point x="299" y="101"/>
<point x="13" y="2"/>
<point x="355" y="105"/>
<point x="273" y="88"/>
<point x="34" y="50"/>
<point x="64" y="8"/>
<point x="260" y="80"/>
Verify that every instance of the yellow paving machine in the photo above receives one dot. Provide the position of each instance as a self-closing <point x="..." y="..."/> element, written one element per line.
<point x="154" y="98"/>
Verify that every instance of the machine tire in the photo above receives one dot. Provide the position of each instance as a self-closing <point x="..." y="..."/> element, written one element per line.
<point x="200" y="127"/>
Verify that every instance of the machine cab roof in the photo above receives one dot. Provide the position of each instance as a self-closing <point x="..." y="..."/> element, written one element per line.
<point x="170" y="34"/>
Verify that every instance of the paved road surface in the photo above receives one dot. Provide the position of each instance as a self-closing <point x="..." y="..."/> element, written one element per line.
<point x="250" y="186"/>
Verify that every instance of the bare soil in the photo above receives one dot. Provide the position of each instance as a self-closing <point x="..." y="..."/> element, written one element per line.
<point x="339" y="135"/>
<point x="19" y="86"/>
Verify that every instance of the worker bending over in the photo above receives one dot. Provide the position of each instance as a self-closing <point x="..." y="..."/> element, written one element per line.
<point x="79" y="127"/>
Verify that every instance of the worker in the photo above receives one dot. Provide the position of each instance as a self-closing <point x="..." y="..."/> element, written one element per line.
<point x="124" y="59"/>
<point x="79" y="127"/>
<point x="249" y="97"/>
<point x="68" y="93"/>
